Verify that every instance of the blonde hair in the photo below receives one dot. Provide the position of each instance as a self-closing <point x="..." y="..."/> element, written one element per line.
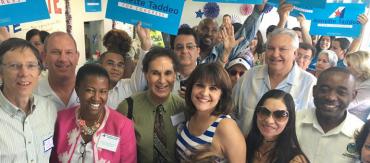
<point x="360" y="61"/>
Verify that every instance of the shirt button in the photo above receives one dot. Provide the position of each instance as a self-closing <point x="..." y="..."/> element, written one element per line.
<point x="31" y="160"/>
<point x="29" y="142"/>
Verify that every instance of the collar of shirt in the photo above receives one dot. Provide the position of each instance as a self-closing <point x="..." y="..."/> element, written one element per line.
<point x="345" y="127"/>
<point x="13" y="110"/>
<point x="262" y="73"/>
<point x="155" y="105"/>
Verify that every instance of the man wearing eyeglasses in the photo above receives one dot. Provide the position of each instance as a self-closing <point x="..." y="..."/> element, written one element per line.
<point x="26" y="120"/>
<point x="187" y="50"/>
<point x="280" y="72"/>
<point x="325" y="133"/>
<point x="304" y="55"/>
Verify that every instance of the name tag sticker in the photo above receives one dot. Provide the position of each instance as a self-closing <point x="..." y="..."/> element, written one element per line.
<point x="108" y="142"/>
<point x="48" y="143"/>
<point x="177" y="118"/>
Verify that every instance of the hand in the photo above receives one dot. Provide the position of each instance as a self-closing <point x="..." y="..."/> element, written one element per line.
<point x="182" y="92"/>
<point x="301" y="19"/>
<point x="144" y="36"/>
<point x="284" y="10"/>
<point x="4" y="34"/>
<point x="228" y="38"/>
<point x="362" y="19"/>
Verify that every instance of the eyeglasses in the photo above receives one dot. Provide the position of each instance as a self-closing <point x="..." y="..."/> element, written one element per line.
<point x="83" y="150"/>
<point x="188" y="47"/>
<point x="19" y="66"/>
<point x="112" y="64"/>
<point x="304" y="57"/>
<point x="234" y="72"/>
<point x="278" y="115"/>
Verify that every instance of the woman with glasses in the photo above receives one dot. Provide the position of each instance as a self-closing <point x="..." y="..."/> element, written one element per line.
<point x="92" y="131"/>
<point x="272" y="137"/>
<point x="208" y="95"/>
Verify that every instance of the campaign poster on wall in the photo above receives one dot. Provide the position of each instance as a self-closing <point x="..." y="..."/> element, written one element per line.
<point x="337" y="19"/>
<point x="20" y="11"/>
<point x="161" y="15"/>
<point x="233" y="1"/>
<point x="92" y="5"/>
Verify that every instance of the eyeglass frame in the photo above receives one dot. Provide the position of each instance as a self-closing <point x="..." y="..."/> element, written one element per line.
<point x="18" y="66"/>
<point x="234" y="72"/>
<point x="278" y="118"/>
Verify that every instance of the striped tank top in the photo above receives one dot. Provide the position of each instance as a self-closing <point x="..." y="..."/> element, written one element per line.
<point x="187" y="143"/>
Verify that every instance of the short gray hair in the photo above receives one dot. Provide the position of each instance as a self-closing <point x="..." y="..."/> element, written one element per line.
<point x="332" y="56"/>
<point x="284" y="31"/>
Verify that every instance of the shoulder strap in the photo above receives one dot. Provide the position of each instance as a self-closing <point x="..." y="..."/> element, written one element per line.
<point x="130" y="103"/>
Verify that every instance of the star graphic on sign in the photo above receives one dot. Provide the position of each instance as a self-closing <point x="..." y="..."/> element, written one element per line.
<point x="199" y="14"/>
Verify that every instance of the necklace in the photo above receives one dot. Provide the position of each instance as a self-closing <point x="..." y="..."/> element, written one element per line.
<point x="86" y="130"/>
<point x="262" y="151"/>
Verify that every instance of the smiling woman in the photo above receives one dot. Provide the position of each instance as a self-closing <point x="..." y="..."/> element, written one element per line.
<point x="208" y="95"/>
<point x="92" y="124"/>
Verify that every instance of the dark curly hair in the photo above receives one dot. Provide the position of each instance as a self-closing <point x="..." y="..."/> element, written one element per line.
<point x="117" y="40"/>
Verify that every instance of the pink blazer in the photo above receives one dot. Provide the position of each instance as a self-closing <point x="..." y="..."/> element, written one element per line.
<point x="67" y="135"/>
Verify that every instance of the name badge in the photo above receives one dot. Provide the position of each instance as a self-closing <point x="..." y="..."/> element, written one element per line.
<point x="48" y="143"/>
<point x="177" y="118"/>
<point x="108" y="142"/>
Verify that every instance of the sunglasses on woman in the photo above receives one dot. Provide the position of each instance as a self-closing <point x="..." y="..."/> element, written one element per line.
<point x="278" y="115"/>
<point x="234" y="72"/>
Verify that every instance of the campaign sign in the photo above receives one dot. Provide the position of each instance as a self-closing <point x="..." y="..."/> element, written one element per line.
<point x="233" y="1"/>
<point x="274" y="3"/>
<point x="337" y="19"/>
<point x="297" y="11"/>
<point x="308" y="3"/>
<point x="92" y="5"/>
<point x="161" y="15"/>
<point x="20" y="11"/>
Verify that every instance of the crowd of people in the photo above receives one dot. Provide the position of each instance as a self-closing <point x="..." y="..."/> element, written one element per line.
<point x="217" y="94"/>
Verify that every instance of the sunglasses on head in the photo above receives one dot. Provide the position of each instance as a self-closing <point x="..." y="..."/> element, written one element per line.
<point x="234" y="72"/>
<point x="278" y="115"/>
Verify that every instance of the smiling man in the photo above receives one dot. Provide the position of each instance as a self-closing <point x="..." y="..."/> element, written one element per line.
<point x="325" y="133"/>
<point x="61" y="57"/>
<point x="279" y="72"/>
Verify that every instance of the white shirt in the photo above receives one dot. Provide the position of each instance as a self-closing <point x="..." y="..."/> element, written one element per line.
<point x="43" y="89"/>
<point x="255" y="83"/>
<point x="334" y="146"/>
<point x="126" y="87"/>
<point x="26" y="138"/>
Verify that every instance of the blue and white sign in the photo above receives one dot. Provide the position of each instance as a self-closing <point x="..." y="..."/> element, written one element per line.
<point x="304" y="4"/>
<point x="161" y="15"/>
<point x="233" y="1"/>
<point x="308" y="3"/>
<point x="297" y="11"/>
<point x="337" y="19"/>
<point x="92" y="5"/>
<point x="274" y="3"/>
<point x="20" y="11"/>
